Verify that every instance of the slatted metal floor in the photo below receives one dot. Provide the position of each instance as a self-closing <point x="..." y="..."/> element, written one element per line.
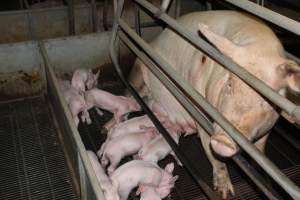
<point x="278" y="149"/>
<point x="32" y="162"/>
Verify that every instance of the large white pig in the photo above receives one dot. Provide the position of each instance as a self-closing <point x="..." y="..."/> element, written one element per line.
<point x="248" y="42"/>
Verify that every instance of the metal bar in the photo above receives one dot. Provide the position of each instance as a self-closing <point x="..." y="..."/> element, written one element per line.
<point x="247" y="77"/>
<point x="104" y="15"/>
<point x="258" y="156"/>
<point x="37" y="10"/>
<point x="137" y="20"/>
<point x="71" y="17"/>
<point x="269" y="15"/>
<point x="165" y="5"/>
<point x="238" y="159"/>
<point x="291" y="56"/>
<point x="72" y="130"/>
<point x="259" y="181"/>
<point x="193" y="171"/>
<point x="177" y="8"/>
<point x="94" y="15"/>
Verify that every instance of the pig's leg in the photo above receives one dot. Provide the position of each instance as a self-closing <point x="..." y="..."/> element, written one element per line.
<point x="101" y="150"/>
<point x="85" y="117"/>
<point x="109" y="124"/>
<point x="99" y="111"/>
<point x="114" y="161"/>
<point x="119" y="117"/>
<point x="221" y="178"/>
<point x="76" y="120"/>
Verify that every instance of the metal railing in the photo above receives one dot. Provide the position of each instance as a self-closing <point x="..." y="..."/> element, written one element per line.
<point x="164" y="70"/>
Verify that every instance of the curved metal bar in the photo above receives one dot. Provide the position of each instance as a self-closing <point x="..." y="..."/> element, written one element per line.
<point x="269" y="15"/>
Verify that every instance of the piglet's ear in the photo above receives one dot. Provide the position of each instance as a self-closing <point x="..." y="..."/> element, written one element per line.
<point x="169" y="168"/>
<point x="226" y="46"/>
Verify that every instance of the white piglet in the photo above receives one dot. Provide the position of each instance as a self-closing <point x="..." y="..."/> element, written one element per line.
<point x="83" y="78"/>
<point x="143" y="174"/>
<point x="157" y="149"/>
<point x="122" y="146"/>
<point x="127" y="127"/>
<point x="118" y="105"/>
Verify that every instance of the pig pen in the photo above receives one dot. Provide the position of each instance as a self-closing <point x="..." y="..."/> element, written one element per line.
<point x="44" y="155"/>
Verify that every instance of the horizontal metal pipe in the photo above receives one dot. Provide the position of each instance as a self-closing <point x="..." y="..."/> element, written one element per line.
<point x="238" y="159"/>
<point x="291" y="56"/>
<point x="258" y="156"/>
<point x="247" y="77"/>
<point x="38" y="10"/>
<point x="269" y="15"/>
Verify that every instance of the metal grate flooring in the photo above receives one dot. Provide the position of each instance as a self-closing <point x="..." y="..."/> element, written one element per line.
<point x="278" y="150"/>
<point x="32" y="162"/>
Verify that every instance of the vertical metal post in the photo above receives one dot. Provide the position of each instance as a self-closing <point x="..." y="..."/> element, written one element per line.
<point x="177" y="8"/>
<point x="94" y="16"/>
<point x="137" y="20"/>
<point x="71" y="17"/>
<point x="208" y="5"/>
<point x="104" y="15"/>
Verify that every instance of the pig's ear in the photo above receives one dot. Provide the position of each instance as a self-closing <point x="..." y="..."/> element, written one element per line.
<point x="226" y="46"/>
<point x="293" y="75"/>
<point x="169" y="168"/>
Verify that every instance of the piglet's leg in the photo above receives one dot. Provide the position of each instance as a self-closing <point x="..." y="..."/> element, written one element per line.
<point x="85" y="117"/>
<point x="99" y="111"/>
<point x="114" y="161"/>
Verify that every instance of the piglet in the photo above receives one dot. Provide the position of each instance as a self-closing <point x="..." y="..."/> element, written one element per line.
<point x="143" y="174"/>
<point x="83" y="78"/>
<point x="75" y="101"/>
<point x="157" y="149"/>
<point x="109" y="191"/>
<point x="127" y="127"/>
<point x="118" y="105"/>
<point x="122" y="146"/>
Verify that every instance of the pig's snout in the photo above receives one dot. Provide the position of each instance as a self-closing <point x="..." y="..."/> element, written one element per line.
<point x="223" y="145"/>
